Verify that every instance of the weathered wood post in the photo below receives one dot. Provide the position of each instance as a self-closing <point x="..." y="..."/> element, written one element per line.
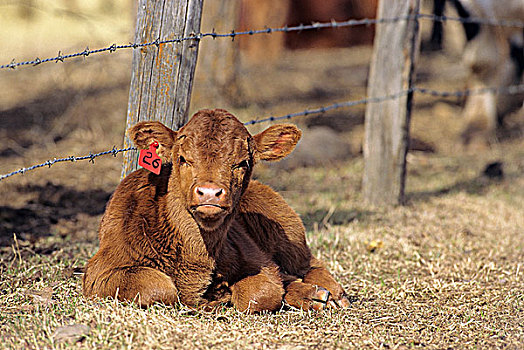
<point x="162" y="75"/>
<point x="387" y="123"/>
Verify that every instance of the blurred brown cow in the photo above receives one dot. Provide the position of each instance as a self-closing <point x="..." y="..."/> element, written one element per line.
<point x="259" y="14"/>
<point x="324" y="11"/>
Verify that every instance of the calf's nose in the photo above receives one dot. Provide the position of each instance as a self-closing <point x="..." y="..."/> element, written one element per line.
<point x="209" y="193"/>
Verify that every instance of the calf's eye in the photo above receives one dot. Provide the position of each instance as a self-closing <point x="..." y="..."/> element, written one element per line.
<point x="243" y="164"/>
<point x="182" y="160"/>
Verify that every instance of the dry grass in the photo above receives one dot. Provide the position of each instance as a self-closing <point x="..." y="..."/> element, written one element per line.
<point x="447" y="270"/>
<point x="449" y="274"/>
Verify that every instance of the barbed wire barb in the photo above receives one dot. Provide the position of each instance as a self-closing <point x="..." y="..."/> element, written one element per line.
<point x="59" y="58"/>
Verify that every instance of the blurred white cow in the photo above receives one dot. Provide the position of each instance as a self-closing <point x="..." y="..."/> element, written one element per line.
<point x="494" y="57"/>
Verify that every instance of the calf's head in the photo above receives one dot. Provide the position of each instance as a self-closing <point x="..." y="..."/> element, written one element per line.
<point x="212" y="159"/>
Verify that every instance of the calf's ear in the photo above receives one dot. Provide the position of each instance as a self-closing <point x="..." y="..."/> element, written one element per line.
<point x="277" y="141"/>
<point x="143" y="134"/>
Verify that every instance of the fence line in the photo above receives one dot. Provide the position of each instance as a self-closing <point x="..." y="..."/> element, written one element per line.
<point x="199" y="36"/>
<point x="500" y="90"/>
<point x="91" y="157"/>
<point x="286" y="29"/>
<point x="509" y="90"/>
<point x="322" y="110"/>
<point x="477" y="20"/>
<point x="514" y="89"/>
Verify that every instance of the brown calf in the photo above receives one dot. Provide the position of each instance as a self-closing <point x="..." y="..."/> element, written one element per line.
<point x="203" y="233"/>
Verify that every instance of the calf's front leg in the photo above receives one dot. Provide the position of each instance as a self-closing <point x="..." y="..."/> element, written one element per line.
<point x="143" y="285"/>
<point x="261" y="292"/>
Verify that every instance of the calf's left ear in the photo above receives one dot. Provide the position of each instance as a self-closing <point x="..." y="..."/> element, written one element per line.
<point x="277" y="141"/>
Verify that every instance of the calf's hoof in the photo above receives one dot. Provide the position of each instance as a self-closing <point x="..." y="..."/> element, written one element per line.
<point x="344" y="302"/>
<point x="320" y="299"/>
<point x="323" y="299"/>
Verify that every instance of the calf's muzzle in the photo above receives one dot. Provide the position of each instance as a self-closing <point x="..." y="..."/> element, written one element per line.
<point x="209" y="194"/>
<point x="209" y="199"/>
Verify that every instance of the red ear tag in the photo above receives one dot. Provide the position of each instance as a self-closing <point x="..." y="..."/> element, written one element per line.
<point x="148" y="159"/>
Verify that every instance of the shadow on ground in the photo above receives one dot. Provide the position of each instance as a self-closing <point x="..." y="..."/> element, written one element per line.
<point x="322" y="218"/>
<point x="51" y="204"/>
<point x="477" y="186"/>
<point x="40" y="121"/>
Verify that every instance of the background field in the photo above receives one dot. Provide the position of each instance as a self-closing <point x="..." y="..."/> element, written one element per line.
<point x="444" y="271"/>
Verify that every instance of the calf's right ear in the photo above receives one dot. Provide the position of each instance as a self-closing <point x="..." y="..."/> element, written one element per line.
<point x="143" y="134"/>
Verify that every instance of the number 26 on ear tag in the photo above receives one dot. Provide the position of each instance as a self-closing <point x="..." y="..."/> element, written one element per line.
<point x="148" y="159"/>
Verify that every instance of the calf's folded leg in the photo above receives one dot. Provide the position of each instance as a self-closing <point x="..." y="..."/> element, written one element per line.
<point x="319" y="276"/>
<point x="261" y="292"/>
<point x="306" y="296"/>
<point x="317" y="290"/>
<point x="144" y="285"/>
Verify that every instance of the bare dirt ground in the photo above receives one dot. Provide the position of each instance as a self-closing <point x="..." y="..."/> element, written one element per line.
<point x="444" y="271"/>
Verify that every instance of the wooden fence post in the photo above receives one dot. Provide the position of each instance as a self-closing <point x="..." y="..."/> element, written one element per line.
<point x="387" y="123"/>
<point x="162" y="75"/>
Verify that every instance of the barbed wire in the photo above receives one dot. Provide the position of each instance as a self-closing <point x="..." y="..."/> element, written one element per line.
<point x="503" y="90"/>
<point x="322" y="110"/>
<point x="233" y="34"/>
<point x="500" y="90"/>
<point x="477" y="20"/>
<point x="510" y="90"/>
<point x="91" y="157"/>
<point x="286" y="29"/>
